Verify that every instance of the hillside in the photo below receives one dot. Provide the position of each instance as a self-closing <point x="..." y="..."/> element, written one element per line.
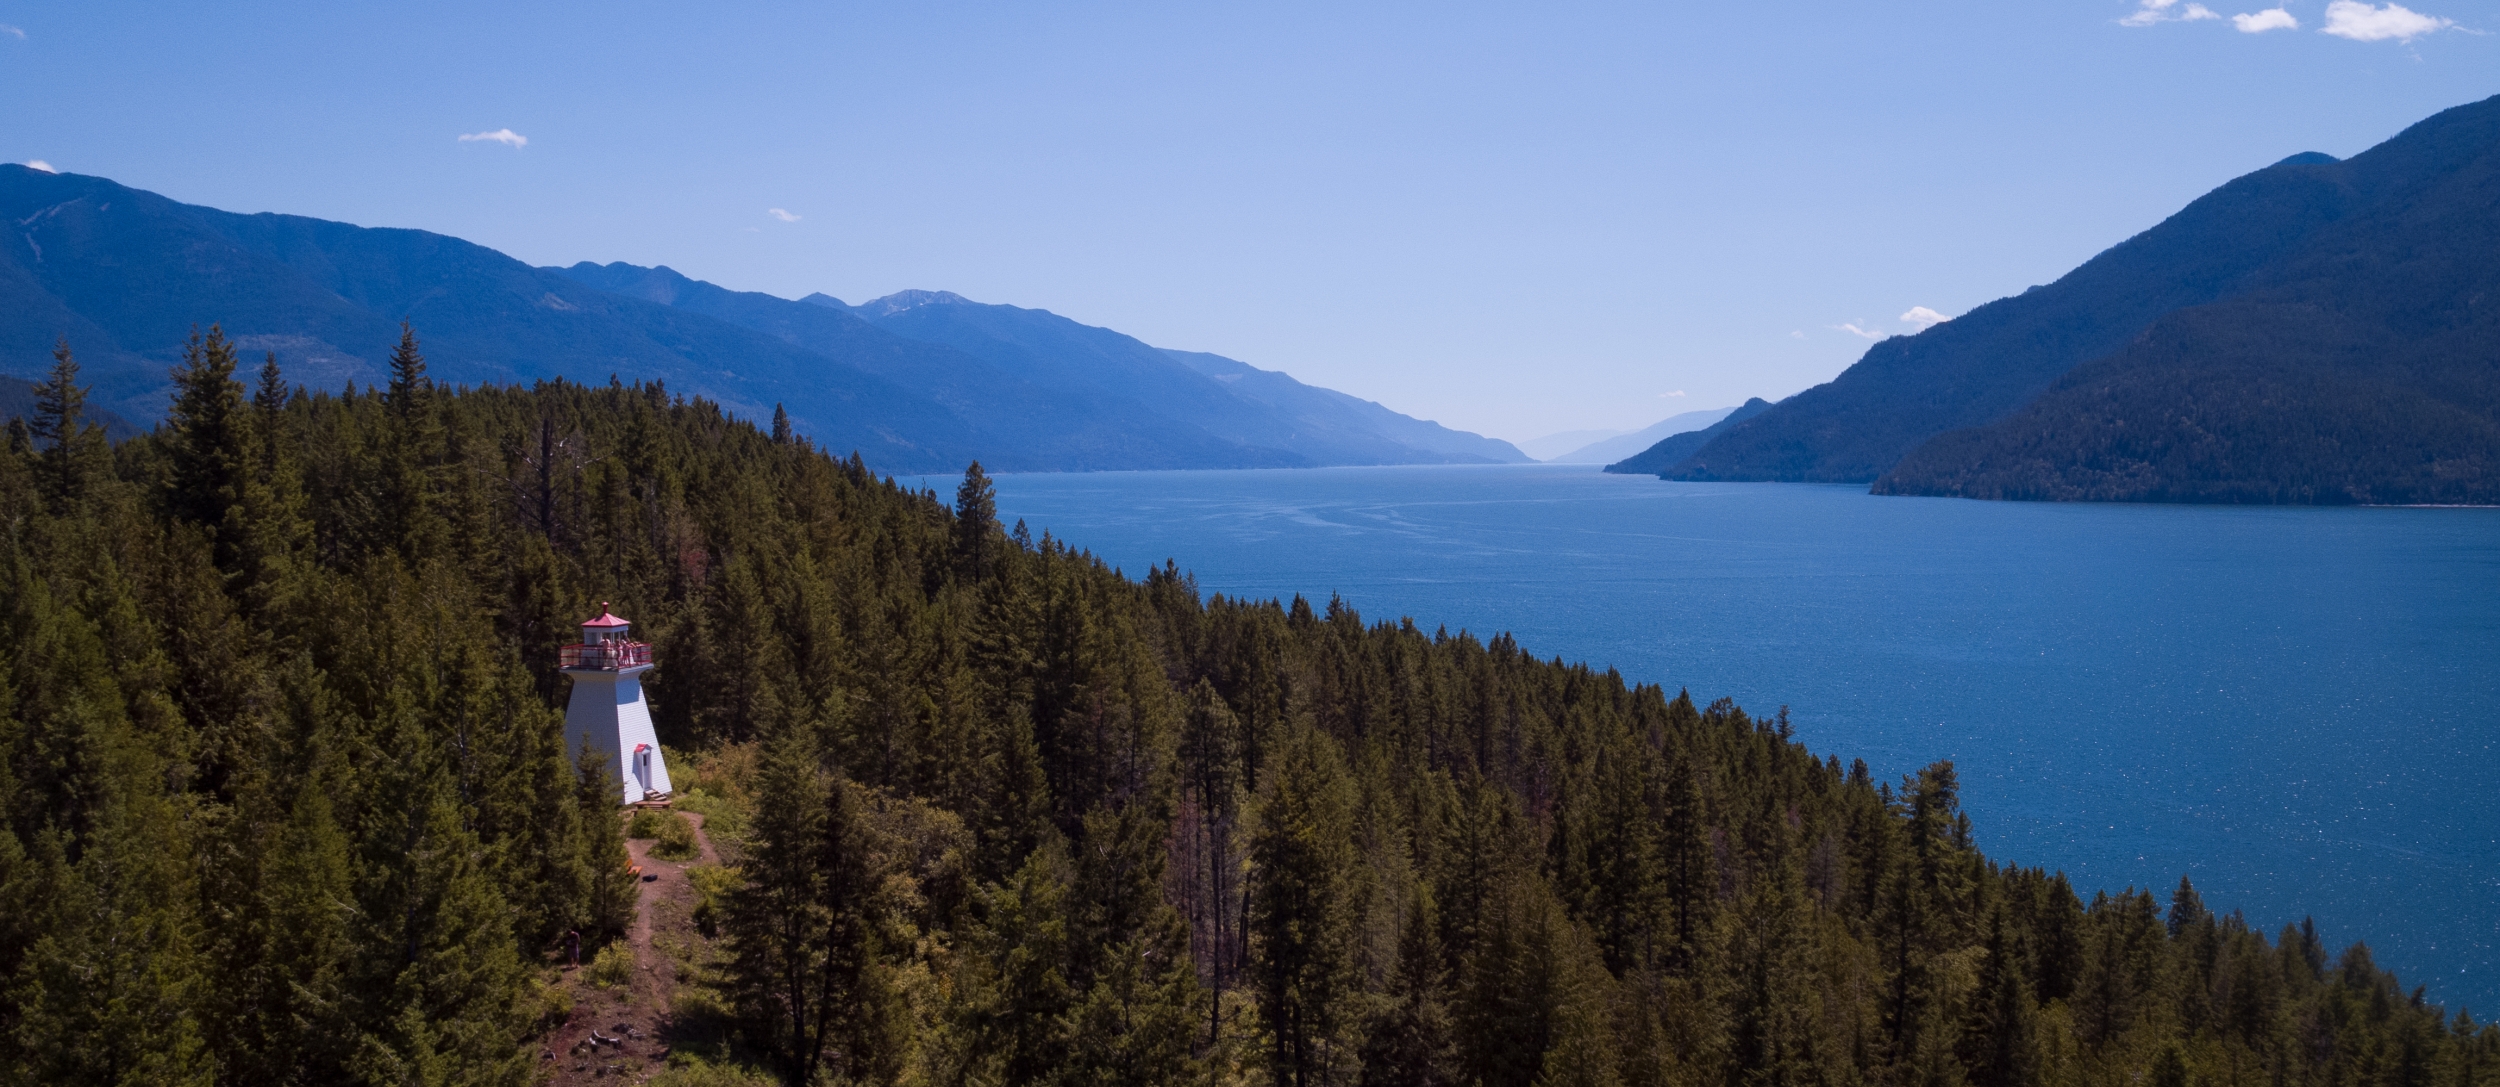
<point x="1230" y="399"/>
<point x="1672" y="450"/>
<point x="1026" y="422"/>
<point x="2364" y="368"/>
<point x="1615" y="448"/>
<point x="126" y="276"/>
<point x="2261" y="233"/>
<point x="290" y="802"/>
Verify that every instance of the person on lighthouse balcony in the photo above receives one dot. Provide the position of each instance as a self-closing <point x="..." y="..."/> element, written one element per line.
<point x="608" y="715"/>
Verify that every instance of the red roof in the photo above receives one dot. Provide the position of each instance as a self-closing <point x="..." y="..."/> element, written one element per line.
<point x="606" y="620"/>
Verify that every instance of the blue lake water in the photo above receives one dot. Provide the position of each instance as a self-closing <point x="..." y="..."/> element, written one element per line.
<point x="2297" y="708"/>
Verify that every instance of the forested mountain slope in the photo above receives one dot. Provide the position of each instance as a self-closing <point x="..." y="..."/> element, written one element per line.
<point x="2308" y="231"/>
<point x="287" y="802"/>
<point x="2363" y="369"/>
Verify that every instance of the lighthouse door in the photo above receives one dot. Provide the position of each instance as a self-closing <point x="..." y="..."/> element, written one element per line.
<point x="642" y="766"/>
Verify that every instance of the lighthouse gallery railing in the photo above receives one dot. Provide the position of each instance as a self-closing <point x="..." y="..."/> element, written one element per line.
<point x="605" y="656"/>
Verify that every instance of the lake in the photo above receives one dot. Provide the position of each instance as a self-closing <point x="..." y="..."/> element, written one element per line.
<point x="2297" y="708"/>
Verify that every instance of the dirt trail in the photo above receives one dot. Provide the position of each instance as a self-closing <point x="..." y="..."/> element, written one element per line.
<point x="662" y="938"/>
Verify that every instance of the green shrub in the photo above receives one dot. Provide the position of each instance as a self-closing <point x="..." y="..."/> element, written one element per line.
<point x="676" y="839"/>
<point x="711" y="884"/>
<point x="613" y="966"/>
<point x="724" y="818"/>
<point x="554" y="1002"/>
<point x="645" y="824"/>
<point x="688" y="1070"/>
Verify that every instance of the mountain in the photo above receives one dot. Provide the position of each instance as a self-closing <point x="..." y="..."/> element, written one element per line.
<point x="1330" y="409"/>
<point x="1672" y="450"/>
<point x="1025" y="425"/>
<point x="2363" y="367"/>
<point x="2316" y="331"/>
<point x="1227" y="398"/>
<point x="1610" y="449"/>
<point x="1985" y="363"/>
<point x="126" y="275"/>
<point x="1561" y="442"/>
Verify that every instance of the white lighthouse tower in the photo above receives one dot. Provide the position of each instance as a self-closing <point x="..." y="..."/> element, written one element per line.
<point x="608" y="714"/>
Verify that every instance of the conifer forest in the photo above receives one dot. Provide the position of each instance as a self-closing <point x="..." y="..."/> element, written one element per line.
<point x="289" y="802"/>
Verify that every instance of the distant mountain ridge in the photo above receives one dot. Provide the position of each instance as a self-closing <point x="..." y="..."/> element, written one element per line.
<point x="1225" y="397"/>
<point x="1675" y="448"/>
<point x="2315" y="331"/>
<point x="126" y="274"/>
<point x="1611" y="449"/>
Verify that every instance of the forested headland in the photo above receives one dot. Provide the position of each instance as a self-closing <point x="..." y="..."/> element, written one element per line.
<point x="288" y="802"/>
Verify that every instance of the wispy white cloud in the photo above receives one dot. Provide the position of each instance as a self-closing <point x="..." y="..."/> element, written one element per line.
<point x="2363" y="23"/>
<point x="1851" y="327"/>
<point x="504" y="136"/>
<point x="14" y="32"/>
<point x="784" y="216"/>
<point x="39" y="164"/>
<point x="2262" y="21"/>
<point x="2149" y="12"/>
<point x="1798" y="334"/>
<point x="1678" y="392"/>
<point x="1923" y="318"/>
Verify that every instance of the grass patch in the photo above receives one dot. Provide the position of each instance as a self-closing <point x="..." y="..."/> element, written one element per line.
<point x="724" y="818"/>
<point x="613" y="966"/>
<point x="676" y="841"/>
<point x="645" y="824"/>
<point x="691" y="1071"/>
<point x="711" y="884"/>
<point x="552" y="1001"/>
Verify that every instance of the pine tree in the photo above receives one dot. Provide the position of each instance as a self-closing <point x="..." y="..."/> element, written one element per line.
<point x="61" y="432"/>
<point x="271" y="395"/>
<point x="411" y="487"/>
<point x="976" y="526"/>
<point x="411" y="392"/>
<point x="2000" y="1045"/>
<point x="802" y="954"/>
<point x="2187" y="909"/>
<point x="1303" y="910"/>
<point x="1012" y="995"/>
<point x="608" y="903"/>
<point x="211" y="444"/>
<point x="1411" y="1044"/>
<point x="1210" y="765"/>
<point x="1773" y="1040"/>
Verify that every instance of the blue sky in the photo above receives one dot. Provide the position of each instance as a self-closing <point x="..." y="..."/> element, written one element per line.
<point x="1515" y="219"/>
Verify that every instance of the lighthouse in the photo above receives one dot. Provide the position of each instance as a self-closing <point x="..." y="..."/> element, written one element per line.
<point x="608" y="714"/>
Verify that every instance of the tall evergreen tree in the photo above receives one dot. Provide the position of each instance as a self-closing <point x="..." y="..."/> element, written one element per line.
<point x="1303" y="911"/>
<point x="976" y="525"/>
<point x="211" y="443"/>
<point x="799" y="926"/>
<point x="1410" y="1044"/>
<point x="1210" y="765"/>
<point x="60" y="430"/>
